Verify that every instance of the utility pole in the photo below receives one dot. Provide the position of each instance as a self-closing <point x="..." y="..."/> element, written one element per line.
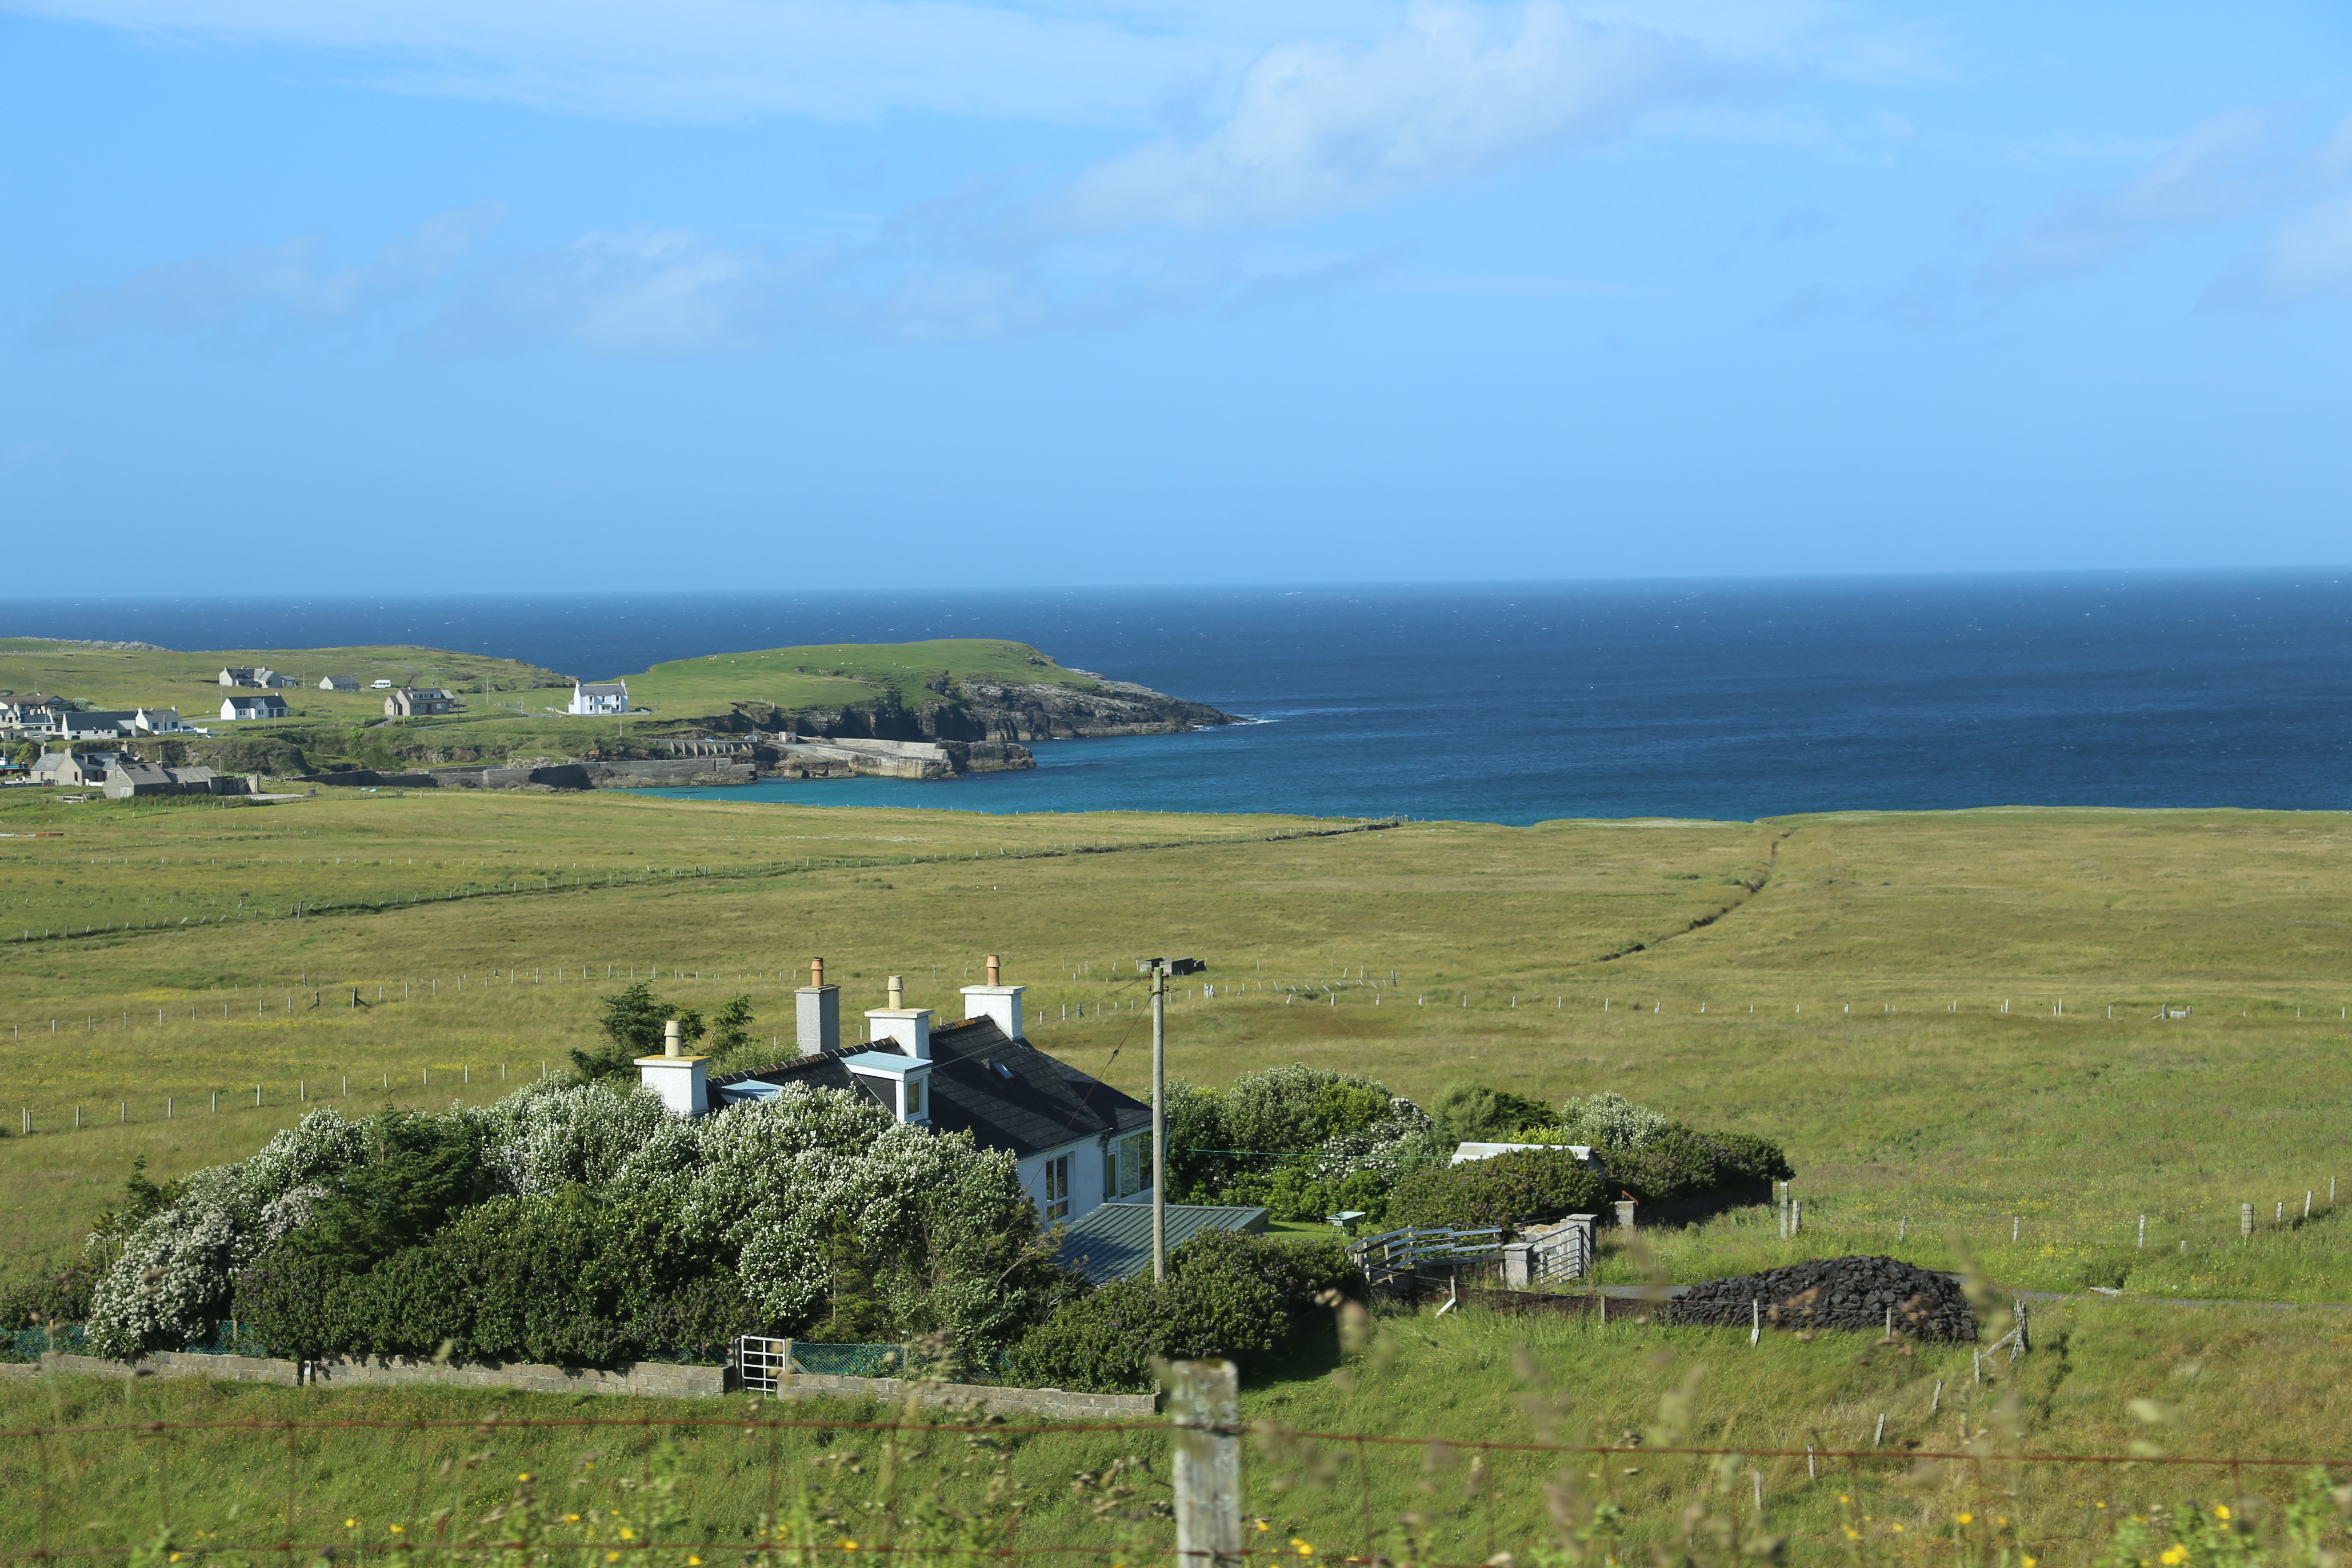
<point x="1161" y="969"/>
<point x="1159" y="1119"/>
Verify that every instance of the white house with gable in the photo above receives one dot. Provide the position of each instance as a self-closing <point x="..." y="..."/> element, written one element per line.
<point x="599" y="697"/>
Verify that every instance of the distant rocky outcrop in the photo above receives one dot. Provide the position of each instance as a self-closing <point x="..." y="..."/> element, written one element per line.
<point x="979" y="711"/>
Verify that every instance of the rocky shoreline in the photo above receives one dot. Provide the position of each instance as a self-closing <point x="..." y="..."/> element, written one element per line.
<point x="983" y="732"/>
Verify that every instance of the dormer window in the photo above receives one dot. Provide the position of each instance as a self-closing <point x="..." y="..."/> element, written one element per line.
<point x="900" y="1083"/>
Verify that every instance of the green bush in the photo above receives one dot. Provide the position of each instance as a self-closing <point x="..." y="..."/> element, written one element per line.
<point x="1745" y="1157"/>
<point x="1474" y="1113"/>
<point x="1517" y="1188"/>
<point x="59" y="1297"/>
<point x="1226" y="1294"/>
<point x="1679" y="1162"/>
<point x="1303" y="1142"/>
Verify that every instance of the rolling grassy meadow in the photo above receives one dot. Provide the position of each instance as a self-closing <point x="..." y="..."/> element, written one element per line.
<point x="1916" y="1006"/>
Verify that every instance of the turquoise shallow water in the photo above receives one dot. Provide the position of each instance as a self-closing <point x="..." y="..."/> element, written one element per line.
<point x="1521" y="702"/>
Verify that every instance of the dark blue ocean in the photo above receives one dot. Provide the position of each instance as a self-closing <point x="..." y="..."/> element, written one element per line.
<point x="1521" y="702"/>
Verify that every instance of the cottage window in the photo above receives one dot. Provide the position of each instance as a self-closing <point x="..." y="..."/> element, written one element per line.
<point x="1130" y="1167"/>
<point x="914" y="1097"/>
<point x="1057" y="1188"/>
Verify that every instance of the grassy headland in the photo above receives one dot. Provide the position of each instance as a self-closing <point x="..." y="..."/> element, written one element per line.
<point x="787" y="680"/>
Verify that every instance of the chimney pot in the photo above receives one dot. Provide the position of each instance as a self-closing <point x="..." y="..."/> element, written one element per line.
<point x="995" y="968"/>
<point x="673" y="1039"/>
<point x="817" y="972"/>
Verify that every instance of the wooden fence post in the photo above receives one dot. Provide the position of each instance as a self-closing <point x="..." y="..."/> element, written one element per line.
<point x="1206" y="1402"/>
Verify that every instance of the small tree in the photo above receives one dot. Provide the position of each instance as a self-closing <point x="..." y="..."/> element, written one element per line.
<point x="634" y="1023"/>
<point x="731" y="1030"/>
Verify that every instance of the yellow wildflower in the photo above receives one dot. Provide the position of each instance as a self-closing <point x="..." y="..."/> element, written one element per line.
<point x="1851" y="1533"/>
<point x="694" y="1563"/>
<point x="846" y="1544"/>
<point x="176" y="1557"/>
<point x="1263" y="1525"/>
<point x="1968" y="1519"/>
<point x="1301" y="1547"/>
<point x="2173" y="1556"/>
<point x="351" y="1524"/>
<point x="398" y="1527"/>
<point x="612" y="1557"/>
<point x="524" y="1475"/>
<point x="2221" y="1511"/>
<point x="2031" y="1561"/>
<point x="1897" y="1527"/>
<point x="627" y="1534"/>
<point x="571" y="1519"/>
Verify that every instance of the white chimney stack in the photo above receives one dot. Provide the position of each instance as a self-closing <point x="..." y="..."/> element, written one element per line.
<point x="996" y="1000"/>
<point x="906" y="1030"/>
<point x="682" y="1081"/>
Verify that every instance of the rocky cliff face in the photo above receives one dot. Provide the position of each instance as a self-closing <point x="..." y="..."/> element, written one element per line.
<point x="987" y="712"/>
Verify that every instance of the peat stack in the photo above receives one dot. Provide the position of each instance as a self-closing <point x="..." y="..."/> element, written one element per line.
<point x="1834" y="1293"/>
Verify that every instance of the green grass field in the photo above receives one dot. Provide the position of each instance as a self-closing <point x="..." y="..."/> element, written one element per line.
<point x="792" y="679"/>
<point x="2104" y="1378"/>
<point x="129" y="678"/>
<point x="1917" y="1006"/>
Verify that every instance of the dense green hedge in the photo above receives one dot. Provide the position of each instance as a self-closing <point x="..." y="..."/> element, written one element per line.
<point x="1679" y="1162"/>
<point x="1226" y="1294"/>
<point x="1516" y="1188"/>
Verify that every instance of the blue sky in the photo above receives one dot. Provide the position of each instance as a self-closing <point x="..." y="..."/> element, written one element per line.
<point x="422" y="294"/>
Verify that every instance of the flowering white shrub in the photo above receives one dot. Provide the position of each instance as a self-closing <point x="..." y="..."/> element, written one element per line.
<point x="800" y="1203"/>
<point x="1609" y="1120"/>
<point x="171" y="1283"/>
<point x="558" y="1135"/>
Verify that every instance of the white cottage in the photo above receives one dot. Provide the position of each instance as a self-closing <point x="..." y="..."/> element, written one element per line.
<point x="1079" y="1143"/>
<point x="599" y="697"/>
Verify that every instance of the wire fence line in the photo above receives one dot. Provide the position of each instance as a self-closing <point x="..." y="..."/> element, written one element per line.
<point x="1374" y="1496"/>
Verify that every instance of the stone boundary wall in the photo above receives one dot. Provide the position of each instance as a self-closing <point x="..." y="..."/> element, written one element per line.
<point x="655" y="1380"/>
<point x="995" y="1400"/>
<point x="650" y="1379"/>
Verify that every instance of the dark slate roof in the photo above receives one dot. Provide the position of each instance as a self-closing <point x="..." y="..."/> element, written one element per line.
<point x="1113" y="1242"/>
<point x="1005" y="1092"/>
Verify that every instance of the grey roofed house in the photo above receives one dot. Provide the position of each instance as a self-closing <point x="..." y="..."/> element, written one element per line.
<point x="1076" y="1142"/>
<point x="95" y="725"/>
<point x="30" y="712"/>
<point x="268" y="705"/>
<point x="411" y="701"/>
<point x="75" y="770"/>
<point x="1005" y="1092"/>
<point x="134" y="778"/>
<point x="599" y="697"/>
<point x="158" y="721"/>
<point x="338" y="683"/>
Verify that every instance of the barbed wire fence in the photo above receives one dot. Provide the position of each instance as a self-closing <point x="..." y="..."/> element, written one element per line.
<point x="761" y="1484"/>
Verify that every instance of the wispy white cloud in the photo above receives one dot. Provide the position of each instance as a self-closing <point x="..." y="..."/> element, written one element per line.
<point x="2247" y="165"/>
<point x="267" y="290"/>
<point x="2307" y="256"/>
<point x="1323" y="127"/>
<point x="2231" y="165"/>
<point x="728" y="60"/>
